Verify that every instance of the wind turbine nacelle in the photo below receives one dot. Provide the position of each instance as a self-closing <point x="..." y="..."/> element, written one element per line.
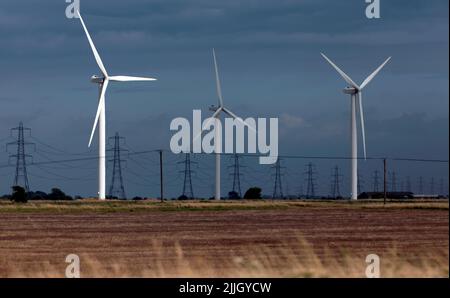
<point x="213" y="108"/>
<point x="350" y="90"/>
<point x="97" y="79"/>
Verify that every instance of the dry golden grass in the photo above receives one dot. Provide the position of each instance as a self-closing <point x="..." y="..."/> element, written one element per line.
<point x="292" y="260"/>
<point x="93" y="205"/>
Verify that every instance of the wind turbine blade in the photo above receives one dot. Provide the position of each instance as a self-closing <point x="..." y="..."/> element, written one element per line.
<point x="208" y="123"/>
<point x="363" y="129"/>
<point x="99" y="109"/>
<point x="343" y="74"/>
<point x="94" y="50"/>
<point x="238" y="118"/>
<point x="130" y="79"/>
<point x="219" y="88"/>
<point x="370" y="78"/>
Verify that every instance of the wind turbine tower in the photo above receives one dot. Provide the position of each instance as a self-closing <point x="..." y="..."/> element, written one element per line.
<point x="355" y="92"/>
<point x="217" y="111"/>
<point x="100" y="118"/>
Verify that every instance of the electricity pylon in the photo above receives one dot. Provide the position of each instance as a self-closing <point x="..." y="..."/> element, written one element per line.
<point x="360" y="183"/>
<point x="336" y="183"/>
<point x="188" y="190"/>
<point x="421" y="185"/>
<point x="236" y="175"/>
<point x="393" y="182"/>
<point x="310" y="181"/>
<point x="278" y="186"/>
<point x="117" y="188"/>
<point x="21" y="175"/>
<point x="376" y="181"/>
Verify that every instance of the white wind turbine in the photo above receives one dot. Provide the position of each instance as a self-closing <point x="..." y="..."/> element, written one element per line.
<point x="100" y="118"/>
<point x="218" y="133"/>
<point x="355" y="92"/>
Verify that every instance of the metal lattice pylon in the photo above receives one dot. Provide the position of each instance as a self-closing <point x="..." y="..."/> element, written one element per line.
<point x="117" y="188"/>
<point x="21" y="175"/>
<point x="237" y="175"/>
<point x="188" y="190"/>
<point x="336" y="183"/>
<point x="278" y="186"/>
<point x="310" y="181"/>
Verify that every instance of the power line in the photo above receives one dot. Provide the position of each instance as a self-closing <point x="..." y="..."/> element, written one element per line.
<point x="242" y="155"/>
<point x="58" y="151"/>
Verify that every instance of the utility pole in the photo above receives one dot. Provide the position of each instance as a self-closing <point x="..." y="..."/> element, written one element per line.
<point x="21" y="175"/>
<point x="376" y="181"/>
<point x="237" y="175"/>
<point x="310" y="181"/>
<point x="117" y="178"/>
<point x="161" y="175"/>
<point x="336" y="183"/>
<point x="188" y="191"/>
<point x="278" y="188"/>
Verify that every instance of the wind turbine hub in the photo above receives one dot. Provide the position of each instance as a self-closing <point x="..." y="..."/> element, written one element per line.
<point x="350" y="90"/>
<point x="97" y="79"/>
<point x="213" y="108"/>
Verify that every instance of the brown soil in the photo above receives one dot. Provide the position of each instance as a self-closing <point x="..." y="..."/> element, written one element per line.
<point x="32" y="242"/>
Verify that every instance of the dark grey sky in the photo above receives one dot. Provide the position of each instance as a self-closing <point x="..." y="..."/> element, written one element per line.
<point x="268" y="53"/>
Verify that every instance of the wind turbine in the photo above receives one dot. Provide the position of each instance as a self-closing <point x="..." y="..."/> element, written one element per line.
<point x="100" y="119"/>
<point x="355" y="93"/>
<point x="218" y="134"/>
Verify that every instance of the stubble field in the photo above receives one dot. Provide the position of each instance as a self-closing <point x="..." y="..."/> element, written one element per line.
<point x="224" y="239"/>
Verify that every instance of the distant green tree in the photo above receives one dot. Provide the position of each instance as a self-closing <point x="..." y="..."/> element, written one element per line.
<point x="19" y="195"/>
<point x="58" y="195"/>
<point x="253" y="193"/>
<point x="232" y="195"/>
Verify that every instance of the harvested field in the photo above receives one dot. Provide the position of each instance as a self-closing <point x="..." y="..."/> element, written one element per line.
<point x="264" y="239"/>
